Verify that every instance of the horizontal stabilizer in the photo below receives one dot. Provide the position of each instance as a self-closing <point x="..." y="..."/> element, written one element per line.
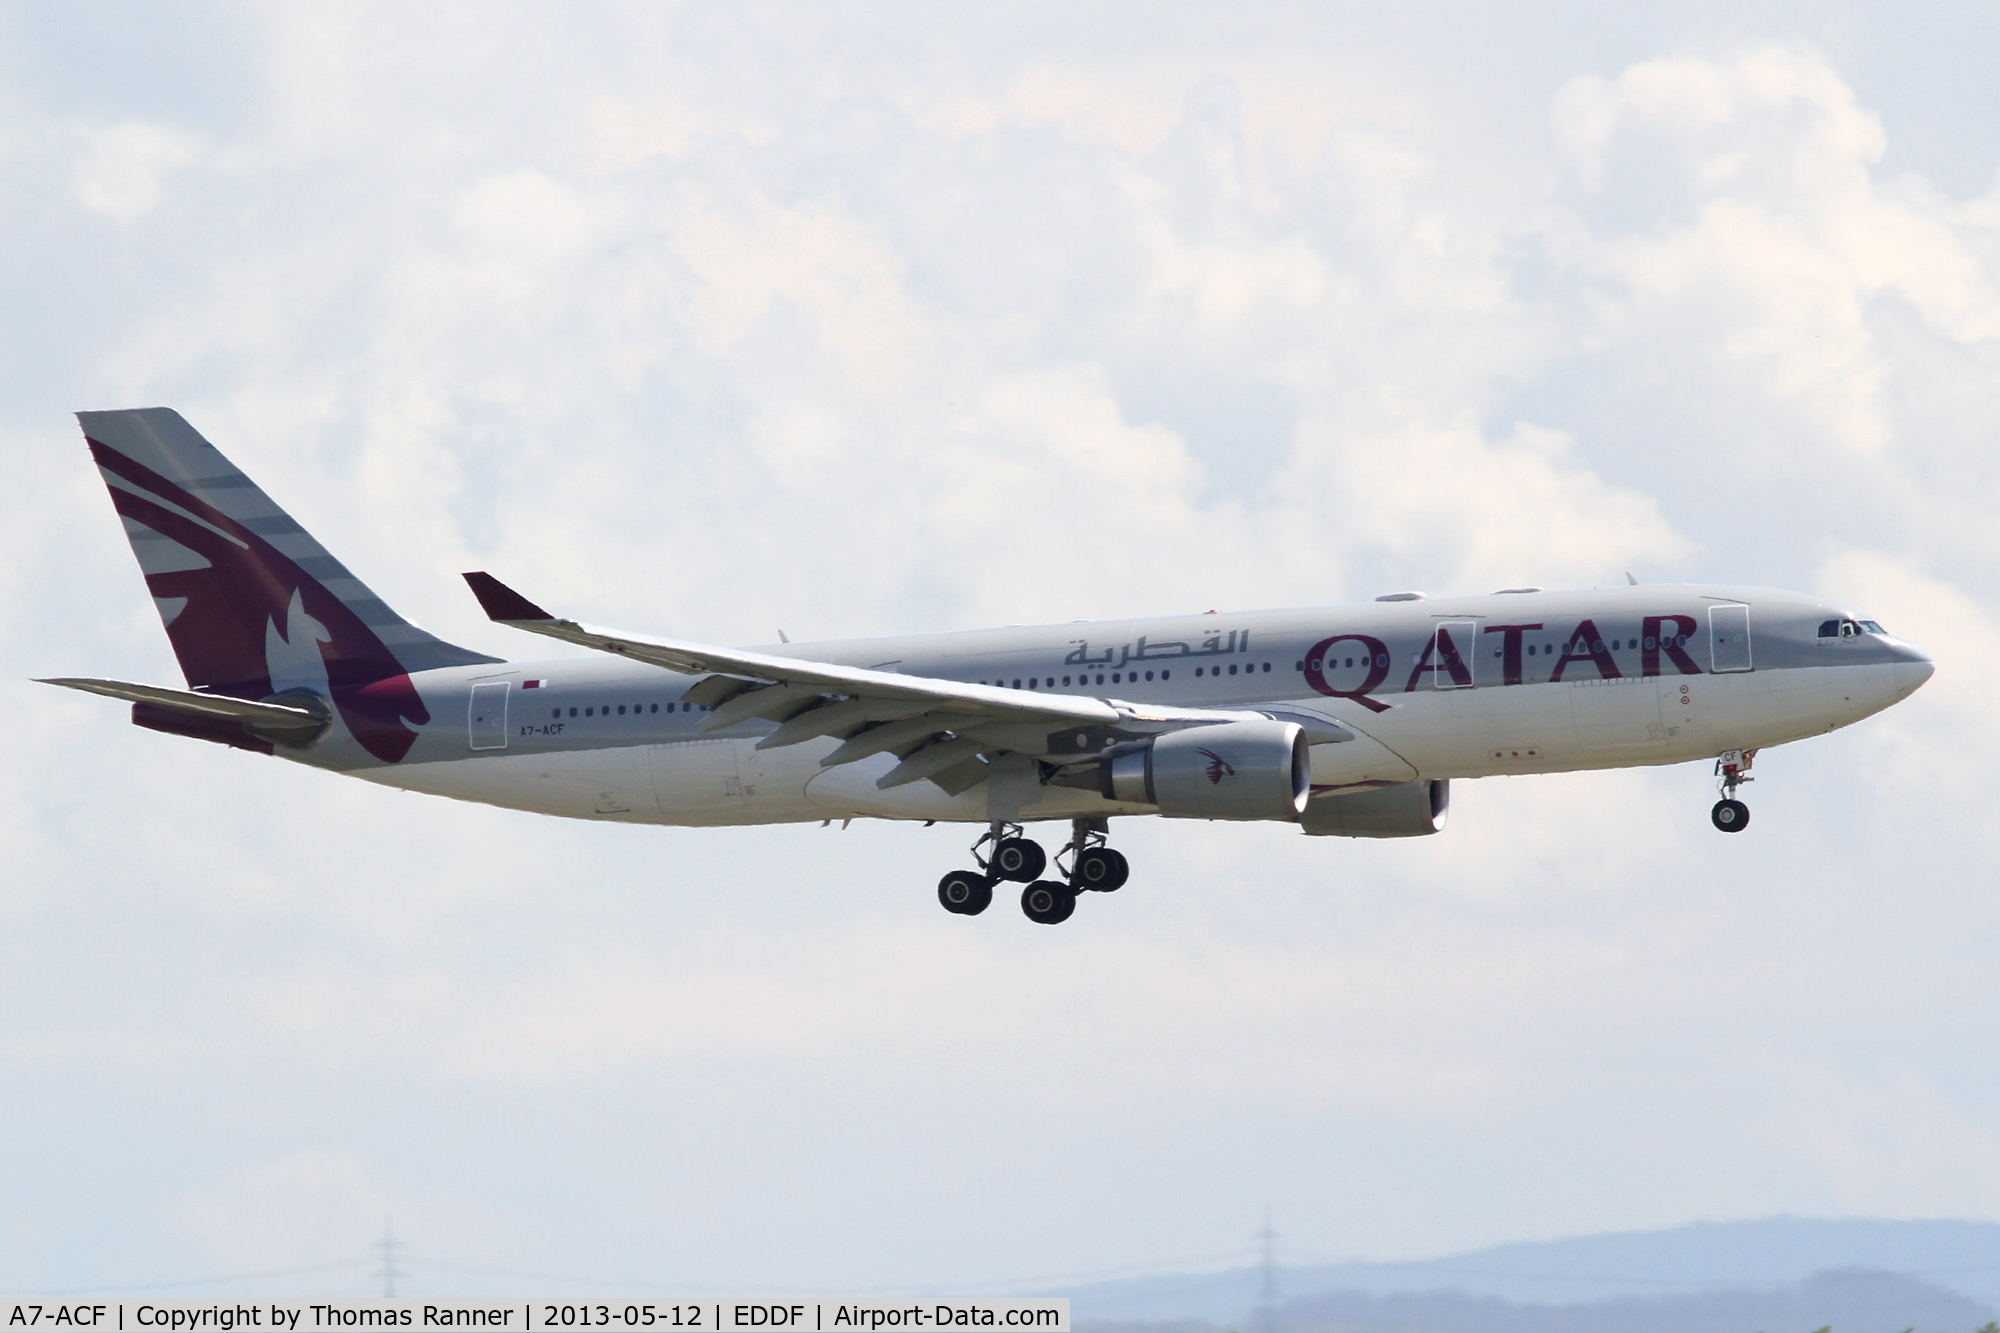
<point x="281" y="722"/>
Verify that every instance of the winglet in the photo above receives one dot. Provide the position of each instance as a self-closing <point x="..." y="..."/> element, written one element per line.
<point x="501" y="602"/>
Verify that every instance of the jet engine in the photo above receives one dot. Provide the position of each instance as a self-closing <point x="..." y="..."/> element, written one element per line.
<point x="1405" y="810"/>
<point x="1231" y="770"/>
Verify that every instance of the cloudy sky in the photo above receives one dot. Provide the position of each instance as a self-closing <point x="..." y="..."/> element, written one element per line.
<point x="860" y="318"/>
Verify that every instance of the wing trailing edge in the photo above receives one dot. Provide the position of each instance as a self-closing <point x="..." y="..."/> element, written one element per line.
<point x="802" y="679"/>
<point x="946" y="731"/>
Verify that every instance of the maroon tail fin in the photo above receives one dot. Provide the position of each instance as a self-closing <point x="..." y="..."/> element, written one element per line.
<point x="252" y="604"/>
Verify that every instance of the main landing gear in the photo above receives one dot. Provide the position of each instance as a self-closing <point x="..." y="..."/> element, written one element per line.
<point x="1003" y="854"/>
<point x="966" y="892"/>
<point x="1732" y="770"/>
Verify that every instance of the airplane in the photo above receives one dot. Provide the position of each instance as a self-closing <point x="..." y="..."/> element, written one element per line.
<point x="1348" y="721"/>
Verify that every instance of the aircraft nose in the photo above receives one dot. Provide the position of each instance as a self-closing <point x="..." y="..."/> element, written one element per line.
<point x="1913" y="668"/>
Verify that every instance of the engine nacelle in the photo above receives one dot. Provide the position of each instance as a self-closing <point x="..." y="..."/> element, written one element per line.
<point x="1406" y="810"/>
<point x="1232" y="770"/>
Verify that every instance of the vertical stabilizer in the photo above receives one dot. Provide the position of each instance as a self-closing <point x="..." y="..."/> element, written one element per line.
<point x="253" y="605"/>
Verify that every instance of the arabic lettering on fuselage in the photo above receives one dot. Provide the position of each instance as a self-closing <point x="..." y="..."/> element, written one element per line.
<point x="1143" y="649"/>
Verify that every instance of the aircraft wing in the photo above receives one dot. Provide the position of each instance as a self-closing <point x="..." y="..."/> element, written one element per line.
<point x="938" y="728"/>
<point x="508" y="607"/>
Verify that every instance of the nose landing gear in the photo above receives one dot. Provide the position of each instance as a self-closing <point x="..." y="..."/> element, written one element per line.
<point x="1732" y="770"/>
<point x="1091" y="866"/>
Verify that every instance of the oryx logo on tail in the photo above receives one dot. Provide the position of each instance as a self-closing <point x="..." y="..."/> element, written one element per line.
<point x="247" y="594"/>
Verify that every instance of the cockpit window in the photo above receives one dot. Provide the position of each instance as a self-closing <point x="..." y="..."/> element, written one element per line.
<point x="1848" y="629"/>
<point x="1829" y="629"/>
<point x="1872" y="627"/>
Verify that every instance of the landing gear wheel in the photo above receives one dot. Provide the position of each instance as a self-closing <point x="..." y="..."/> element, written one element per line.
<point x="1048" y="903"/>
<point x="1102" y="869"/>
<point x="1730" y="816"/>
<point x="1018" y="859"/>
<point x="966" y="892"/>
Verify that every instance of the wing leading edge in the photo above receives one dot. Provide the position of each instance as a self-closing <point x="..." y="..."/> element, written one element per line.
<point x="944" y="730"/>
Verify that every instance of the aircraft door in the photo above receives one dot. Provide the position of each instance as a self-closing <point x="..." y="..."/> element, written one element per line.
<point x="1454" y="649"/>
<point x="487" y="726"/>
<point x="1729" y="638"/>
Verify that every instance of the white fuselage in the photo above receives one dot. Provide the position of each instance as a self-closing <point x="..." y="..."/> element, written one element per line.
<point x="1537" y="682"/>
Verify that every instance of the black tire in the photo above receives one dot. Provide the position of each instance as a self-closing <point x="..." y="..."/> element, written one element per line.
<point x="1048" y="903"/>
<point x="966" y="892"/>
<point x="1101" y="869"/>
<point x="1730" y="816"/>
<point x="1018" y="859"/>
